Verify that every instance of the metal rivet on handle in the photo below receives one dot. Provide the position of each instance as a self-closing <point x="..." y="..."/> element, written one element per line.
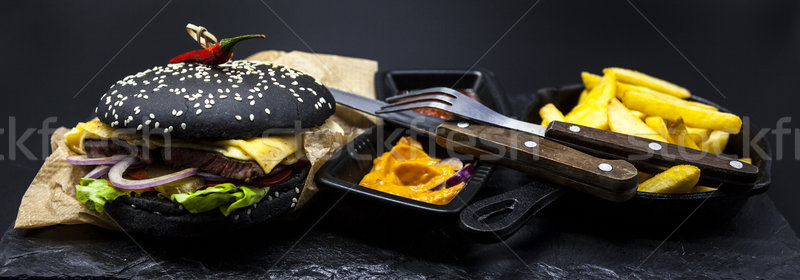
<point x="530" y="144"/>
<point x="463" y="124"/>
<point x="574" y="128"/>
<point x="736" y="164"/>
<point x="605" y="167"/>
<point x="654" y="146"/>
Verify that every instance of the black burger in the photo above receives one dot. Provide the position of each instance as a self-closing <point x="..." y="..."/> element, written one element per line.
<point x="187" y="148"/>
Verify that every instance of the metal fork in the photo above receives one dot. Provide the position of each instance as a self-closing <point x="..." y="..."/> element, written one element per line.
<point x="451" y="100"/>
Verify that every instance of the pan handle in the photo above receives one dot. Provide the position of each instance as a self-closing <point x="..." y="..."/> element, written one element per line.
<point x="498" y="217"/>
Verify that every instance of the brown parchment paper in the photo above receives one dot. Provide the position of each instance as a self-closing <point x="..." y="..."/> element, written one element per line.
<point x="50" y="198"/>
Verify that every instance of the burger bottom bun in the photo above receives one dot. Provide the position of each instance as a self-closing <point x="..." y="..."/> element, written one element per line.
<point x="157" y="216"/>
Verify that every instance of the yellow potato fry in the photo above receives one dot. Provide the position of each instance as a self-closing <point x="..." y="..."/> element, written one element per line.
<point x="678" y="133"/>
<point x="677" y="179"/>
<point x="698" y="134"/>
<point x="593" y="110"/>
<point x="582" y="98"/>
<point x="590" y="114"/>
<point x="621" y="120"/>
<point x="604" y="91"/>
<point x="550" y="113"/>
<point x="699" y="189"/>
<point x="671" y="110"/>
<point x="591" y="80"/>
<point x="641" y="79"/>
<point x="716" y="142"/>
<point x="658" y="125"/>
<point x="644" y="176"/>
<point x="746" y="160"/>
<point x="638" y="114"/>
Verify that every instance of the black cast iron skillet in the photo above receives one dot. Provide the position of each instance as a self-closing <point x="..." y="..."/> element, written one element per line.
<point x="499" y="216"/>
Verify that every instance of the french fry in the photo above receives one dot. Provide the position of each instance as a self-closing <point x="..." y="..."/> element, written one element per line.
<point x="716" y="142"/>
<point x="699" y="189"/>
<point x="621" y="120"/>
<point x="677" y="179"/>
<point x="658" y="125"/>
<point x="698" y="134"/>
<point x="582" y="98"/>
<point x="638" y="114"/>
<point x="671" y="110"/>
<point x="746" y="160"/>
<point x="550" y="113"/>
<point x="591" y="80"/>
<point x="643" y="176"/>
<point x="641" y="79"/>
<point x="678" y="133"/>
<point x="593" y="111"/>
<point x="590" y="114"/>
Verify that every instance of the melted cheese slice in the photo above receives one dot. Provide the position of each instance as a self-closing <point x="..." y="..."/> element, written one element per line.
<point x="268" y="152"/>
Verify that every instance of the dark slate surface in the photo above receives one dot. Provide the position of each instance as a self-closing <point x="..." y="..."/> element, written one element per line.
<point x="361" y="239"/>
<point x="354" y="240"/>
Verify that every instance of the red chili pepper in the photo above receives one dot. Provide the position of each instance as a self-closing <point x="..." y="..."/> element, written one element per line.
<point x="217" y="54"/>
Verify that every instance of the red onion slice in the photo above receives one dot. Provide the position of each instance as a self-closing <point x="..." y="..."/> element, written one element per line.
<point x="115" y="176"/>
<point x="84" y="160"/>
<point x="97" y="172"/>
<point x="458" y="178"/>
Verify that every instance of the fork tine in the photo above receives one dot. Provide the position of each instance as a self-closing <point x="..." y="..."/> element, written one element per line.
<point x="422" y="98"/>
<point x="396" y="108"/>
<point x="422" y="92"/>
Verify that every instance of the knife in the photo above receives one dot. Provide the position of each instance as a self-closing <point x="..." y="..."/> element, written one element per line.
<point x="614" y="180"/>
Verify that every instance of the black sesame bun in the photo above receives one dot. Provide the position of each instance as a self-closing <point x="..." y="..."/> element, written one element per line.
<point x="153" y="215"/>
<point x="235" y="100"/>
<point x="239" y="99"/>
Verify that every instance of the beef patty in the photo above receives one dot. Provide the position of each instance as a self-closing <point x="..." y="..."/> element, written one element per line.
<point x="212" y="162"/>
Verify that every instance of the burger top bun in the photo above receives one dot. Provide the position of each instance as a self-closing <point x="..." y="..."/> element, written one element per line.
<point x="236" y="100"/>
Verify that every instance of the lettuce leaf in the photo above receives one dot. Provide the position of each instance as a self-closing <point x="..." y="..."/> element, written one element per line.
<point x="98" y="191"/>
<point x="225" y="197"/>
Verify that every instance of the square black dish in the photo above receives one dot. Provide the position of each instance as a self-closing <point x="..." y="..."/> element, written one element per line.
<point x="482" y="82"/>
<point x="344" y="170"/>
<point x="654" y="206"/>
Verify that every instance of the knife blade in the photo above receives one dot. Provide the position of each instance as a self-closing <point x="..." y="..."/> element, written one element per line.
<point x="614" y="180"/>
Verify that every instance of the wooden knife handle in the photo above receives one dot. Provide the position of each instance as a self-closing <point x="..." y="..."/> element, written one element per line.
<point x="651" y="155"/>
<point x="614" y="180"/>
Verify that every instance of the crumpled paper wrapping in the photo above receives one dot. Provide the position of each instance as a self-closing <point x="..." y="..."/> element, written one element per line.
<point x="50" y="199"/>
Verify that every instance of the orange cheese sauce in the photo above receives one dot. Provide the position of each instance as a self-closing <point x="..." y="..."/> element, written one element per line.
<point x="409" y="172"/>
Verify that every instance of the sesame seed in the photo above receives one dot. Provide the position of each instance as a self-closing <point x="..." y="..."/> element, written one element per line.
<point x="198" y="111"/>
<point x="139" y="127"/>
<point x="166" y="130"/>
<point x="156" y="125"/>
<point x="147" y="122"/>
<point x="252" y="102"/>
<point x="179" y="113"/>
<point x="183" y="126"/>
<point x="252" y="117"/>
<point x="266" y="111"/>
<point x="208" y="106"/>
<point x="238" y="118"/>
<point x="223" y="96"/>
<point x="152" y="116"/>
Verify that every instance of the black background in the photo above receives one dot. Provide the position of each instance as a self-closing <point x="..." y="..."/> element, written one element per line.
<point x="748" y="50"/>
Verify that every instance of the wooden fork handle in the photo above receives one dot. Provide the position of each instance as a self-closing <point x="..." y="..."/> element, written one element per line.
<point x="615" y="180"/>
<point x="653" y="156"/>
